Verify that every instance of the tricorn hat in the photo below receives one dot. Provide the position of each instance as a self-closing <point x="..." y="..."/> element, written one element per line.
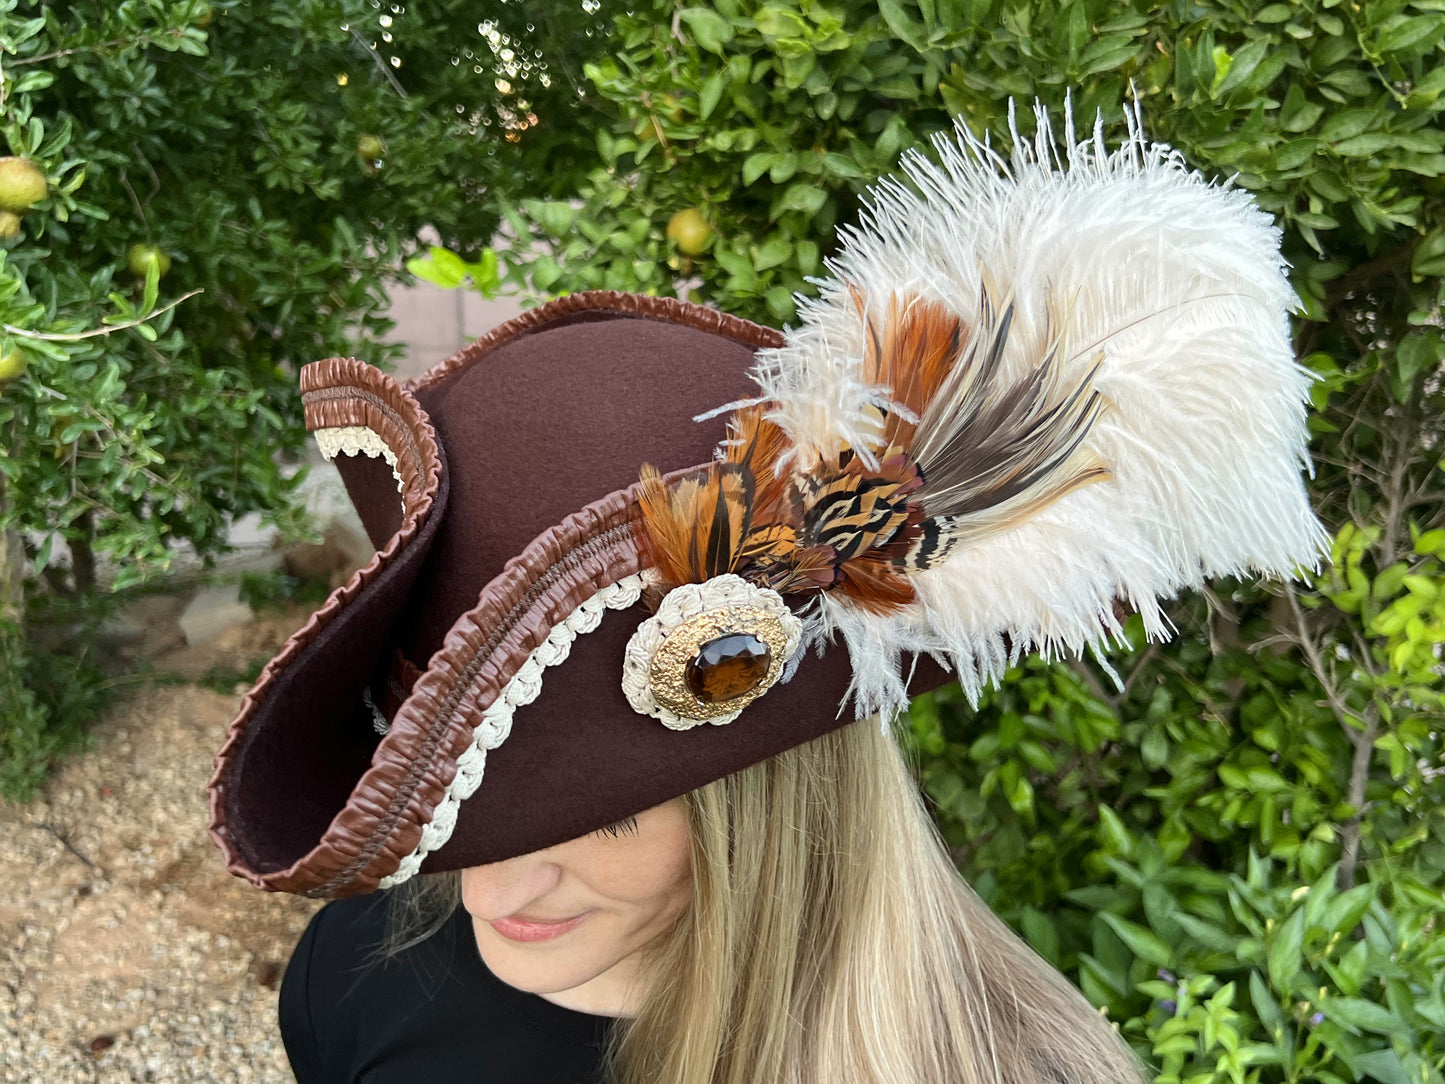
<point x="629" y="545"/>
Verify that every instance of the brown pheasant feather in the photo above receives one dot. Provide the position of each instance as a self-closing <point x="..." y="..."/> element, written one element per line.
<point x="693" y="529"/>
<point x="910" y="352"/>
<point x="965" y="451"/>
<point x="758" y="444"/>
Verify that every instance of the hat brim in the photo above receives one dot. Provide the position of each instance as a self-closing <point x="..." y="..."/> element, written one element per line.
<point x="308" y="797"/>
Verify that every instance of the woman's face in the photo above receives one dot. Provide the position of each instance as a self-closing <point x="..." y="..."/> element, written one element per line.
<point x="570" y="922"/>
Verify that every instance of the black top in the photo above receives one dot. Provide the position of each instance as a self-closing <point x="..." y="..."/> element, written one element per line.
<point x="432" y="1013"/>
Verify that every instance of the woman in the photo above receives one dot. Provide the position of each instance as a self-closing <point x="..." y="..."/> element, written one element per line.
<point x="795" y="921"/>
<point x="1032" y="395"/>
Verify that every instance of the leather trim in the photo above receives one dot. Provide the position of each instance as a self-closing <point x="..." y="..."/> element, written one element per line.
<point x="672" y="309"/>
<point x="416" y="760"/>
<point x="538" y="590"/>
<point x="344" y="392"/>
<point x="593" y="548"/>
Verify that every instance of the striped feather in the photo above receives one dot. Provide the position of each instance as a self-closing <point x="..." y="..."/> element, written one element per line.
<point x="693" y="529"/>
<point x="965" y="451"/>
<point x="909" y="350"/>
<point x="996" y="450"/>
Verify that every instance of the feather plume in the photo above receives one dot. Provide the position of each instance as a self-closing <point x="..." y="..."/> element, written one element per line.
<point x="1032" y="387"/>
<point x="996" y="452"/>
<point x="693" y="529"/>
<point x="910" y="351"/>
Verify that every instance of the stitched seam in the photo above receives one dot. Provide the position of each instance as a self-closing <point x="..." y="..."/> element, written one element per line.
<point x="422" y="763"/>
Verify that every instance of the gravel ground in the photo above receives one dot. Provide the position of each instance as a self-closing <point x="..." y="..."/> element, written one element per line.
<point x="127" y="953"/>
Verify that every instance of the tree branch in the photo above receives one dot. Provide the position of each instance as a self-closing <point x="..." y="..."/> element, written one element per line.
<point x="1359" y="776"/>
<point x="1317" y="666"/>
<point x="111" y="329"/>
<point x="62" y="839"/>
<point x="380" y="64"/>
<point x="1362" y="740"/>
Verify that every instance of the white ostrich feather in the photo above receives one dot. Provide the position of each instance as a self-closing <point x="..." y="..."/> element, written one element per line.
<point x="1175" y="288"/>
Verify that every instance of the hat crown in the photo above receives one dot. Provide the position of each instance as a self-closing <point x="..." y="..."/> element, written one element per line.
<point x="545" y="424"/>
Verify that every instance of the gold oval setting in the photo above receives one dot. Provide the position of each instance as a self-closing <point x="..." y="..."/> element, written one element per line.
<point x="692" y="618"/>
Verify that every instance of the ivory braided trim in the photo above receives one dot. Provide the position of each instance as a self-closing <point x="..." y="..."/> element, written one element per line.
<point x="356" y="440"/>
<point x="496" y="722"/>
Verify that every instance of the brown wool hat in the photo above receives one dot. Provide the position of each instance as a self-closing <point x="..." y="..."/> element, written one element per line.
<point x="502" y="452"/>
<point x="627" y="546"/>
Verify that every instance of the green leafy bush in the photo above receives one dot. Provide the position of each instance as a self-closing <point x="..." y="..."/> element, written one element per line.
<point x="1241" y="854"/>
<point x="228" y="189"/>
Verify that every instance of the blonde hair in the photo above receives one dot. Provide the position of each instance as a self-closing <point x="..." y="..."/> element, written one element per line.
<point x="831" y="941"/>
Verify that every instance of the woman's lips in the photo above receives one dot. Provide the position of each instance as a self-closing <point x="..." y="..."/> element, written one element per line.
<point x="515" y="928"/>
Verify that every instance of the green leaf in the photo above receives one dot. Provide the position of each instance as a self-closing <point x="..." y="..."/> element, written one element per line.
<point x="1154" y="749"/>
<point x="1298" y="113"/>
<point x="772" y="253"/>
<point x="1112" y="833"/>
<point x="1399" y="32"/>
<point x="152" y="286"/>
<point x="803" y="197"/>
<point x="556" y="217"/>
<point x="33" y="81"/>
<point x="1041" y="934"/>
<point x="779" y="300"/>
<point x="1417" y="352"/>
<point x="1107" y="53"/>
<point x="1357" y="1014"/>
<point x="1285" y="951"/>
<point x="1208" y="935"/>
<point x="1345" y="911"/>
<point x="1328" y="184"/>
<point x="780" y="24"/>
<point x="1431" y="542"/>
<point x="440" y="267"/>
<point x="1243" y="65"/>
<point x="1097" y="897"/>
<point x="902" y="25"/>
<point x="1428" y="259"/>
<point x="755" y="165"/>
<point x="1142" y="942"/>
<point x="783" y="167"/>
<point x="1266" y="1007"/>
<point x="1384" y="1066"/>
<point x="809" y="257"/>
<point x="711" y="93"/>
<point x="43" y="552"/>
<point x="1350" y="123"/>
<point x="1362" y="146"/>
<point x="486" y="273"/>
<point x="709" y="29"/>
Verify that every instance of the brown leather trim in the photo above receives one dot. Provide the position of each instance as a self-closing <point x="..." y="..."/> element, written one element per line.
<point x="564" y="566"/>
<point x="415" y="762"/>
<point x="672" y="309"/>
<point x="351" y="393"/>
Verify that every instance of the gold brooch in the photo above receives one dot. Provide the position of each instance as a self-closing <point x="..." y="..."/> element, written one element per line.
<point x="710" y="650"/>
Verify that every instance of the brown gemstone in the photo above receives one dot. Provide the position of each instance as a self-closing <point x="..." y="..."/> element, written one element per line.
<point x="728" y="667"/>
